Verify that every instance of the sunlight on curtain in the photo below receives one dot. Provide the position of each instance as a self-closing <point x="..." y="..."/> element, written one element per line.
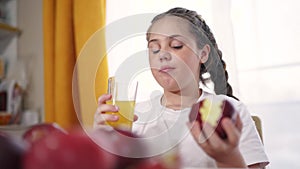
<point x="92" y="70"/>
<point x="68" y="25"/>
<point x="59" y="61"/>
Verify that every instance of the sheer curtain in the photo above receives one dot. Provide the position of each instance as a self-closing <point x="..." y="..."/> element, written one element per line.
<point x="266" y="35"/>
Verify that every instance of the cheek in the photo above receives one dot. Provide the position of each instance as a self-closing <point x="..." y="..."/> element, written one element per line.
<point x="154" y="67"/>
<point x="195" y="65"/>
<point x="153" y="62"/>
<point x="154" y="72"/>
<point x="192" y="63"/>
<point x="190" y="58"/>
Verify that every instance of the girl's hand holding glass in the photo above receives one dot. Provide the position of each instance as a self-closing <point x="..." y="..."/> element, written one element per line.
<point x="117" y="107"/>
<point x="100" y="117"/>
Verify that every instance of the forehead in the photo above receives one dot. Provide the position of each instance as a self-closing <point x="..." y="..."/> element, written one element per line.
<point x="171" y="25"/>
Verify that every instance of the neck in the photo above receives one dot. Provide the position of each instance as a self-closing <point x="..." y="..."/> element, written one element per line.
<point x="179" y="100"/>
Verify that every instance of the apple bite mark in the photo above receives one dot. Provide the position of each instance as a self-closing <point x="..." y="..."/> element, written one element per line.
<point x="211" y="112"/>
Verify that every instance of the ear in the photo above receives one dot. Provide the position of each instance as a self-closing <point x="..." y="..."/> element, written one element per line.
<point x="204" y="53"/>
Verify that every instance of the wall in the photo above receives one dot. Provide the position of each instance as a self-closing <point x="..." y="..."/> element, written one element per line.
<point x="30" y="51"/>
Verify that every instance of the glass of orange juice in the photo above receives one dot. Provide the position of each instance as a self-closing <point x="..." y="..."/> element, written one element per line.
<point x="123" y="96"/>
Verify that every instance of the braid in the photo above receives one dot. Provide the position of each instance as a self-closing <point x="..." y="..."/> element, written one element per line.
<point x="216" y="66"/>
<point x="222" y="72"/>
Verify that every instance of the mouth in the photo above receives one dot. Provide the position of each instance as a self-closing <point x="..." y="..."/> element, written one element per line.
<point x="166" y="69"/>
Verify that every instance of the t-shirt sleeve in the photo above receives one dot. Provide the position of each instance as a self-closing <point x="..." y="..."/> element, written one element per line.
<point x="250" y="145"/>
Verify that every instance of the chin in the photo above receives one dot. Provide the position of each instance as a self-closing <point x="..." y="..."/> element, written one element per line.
<point x="169" y="84"/>
<point x="166" y="81"/>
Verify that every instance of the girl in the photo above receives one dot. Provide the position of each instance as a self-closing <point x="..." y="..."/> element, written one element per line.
<point x="181" y="49"/>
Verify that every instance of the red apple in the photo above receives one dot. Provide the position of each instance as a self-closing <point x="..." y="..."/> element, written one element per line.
<point x="39" y="131"/>
<point x="130" y="147"/>
<point x="150" y="164"/>
<point x="11" y="152"/>
<point x="213" y="111"/>
<point x="169" y="160"/>
<point x="123" y="145"/>
<point x="61" y="151"/>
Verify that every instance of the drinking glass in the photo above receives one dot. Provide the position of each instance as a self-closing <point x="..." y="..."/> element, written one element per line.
<point x="124" y="96"/>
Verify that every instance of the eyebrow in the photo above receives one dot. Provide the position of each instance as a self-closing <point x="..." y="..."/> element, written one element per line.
<point x="169" y="37"/>
<point x="174" y="36"/>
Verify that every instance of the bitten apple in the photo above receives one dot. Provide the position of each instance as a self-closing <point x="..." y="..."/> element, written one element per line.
<point x="212" y="111"/>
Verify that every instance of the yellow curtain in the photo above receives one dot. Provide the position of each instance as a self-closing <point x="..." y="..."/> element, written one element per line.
<point x="89" y="18"/>
<point x="68" y="24"/>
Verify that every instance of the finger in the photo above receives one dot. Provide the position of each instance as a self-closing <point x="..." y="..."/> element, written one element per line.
<point x="100" y="120"/>
<point x="239" y="123"/>
<point x="110" y="117"/>
<point x="211" y="136"/>
<point x="106" y="108"/>
<point x="103" y="98"/>
<point x="196" y="132"/>
<point x="96" y="127"/>
<point x="194" y="128"/>
<point x="135" y="117"/>
<point x="204" y="135"/>
<point x="233" y="133"/>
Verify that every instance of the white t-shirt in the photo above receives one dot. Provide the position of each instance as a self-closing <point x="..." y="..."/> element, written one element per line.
<point x="165" y="129"/>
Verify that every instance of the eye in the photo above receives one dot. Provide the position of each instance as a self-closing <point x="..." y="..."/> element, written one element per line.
<point x="155" y="51"/>
<point x="155" y="48"/>
<point x="177" y="47"/>
<point x="176" y="44"/>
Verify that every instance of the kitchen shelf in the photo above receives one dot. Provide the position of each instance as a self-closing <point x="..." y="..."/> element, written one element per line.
<point x="14" y="130"/>
<point x="8" y="30"/>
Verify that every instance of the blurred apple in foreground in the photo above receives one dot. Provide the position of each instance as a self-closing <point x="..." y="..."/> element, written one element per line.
<point x="212" y="112"/>
<point x="128" y="150"/>
<point x="11" y="152"/>
<point x="66" y="151"/>
<point x="103" y="148"/>
<point x="168" y="160"/>
<point x="39" y="131"/>
<point x="124" y="146"/>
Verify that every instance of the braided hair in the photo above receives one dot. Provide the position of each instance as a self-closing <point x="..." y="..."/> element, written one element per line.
<point x="215" y="65"/>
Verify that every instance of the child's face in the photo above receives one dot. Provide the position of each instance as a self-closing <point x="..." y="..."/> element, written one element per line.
<point x="173" y="54"/>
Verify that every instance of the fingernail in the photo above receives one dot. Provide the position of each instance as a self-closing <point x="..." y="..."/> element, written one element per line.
<point x="115" y="117"/>
<point x="117" y="108"/>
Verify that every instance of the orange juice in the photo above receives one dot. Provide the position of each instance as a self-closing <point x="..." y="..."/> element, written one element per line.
<point x="125" y="113"/>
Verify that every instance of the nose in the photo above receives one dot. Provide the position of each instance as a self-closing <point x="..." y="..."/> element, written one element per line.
<point x="164" y="55"/>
